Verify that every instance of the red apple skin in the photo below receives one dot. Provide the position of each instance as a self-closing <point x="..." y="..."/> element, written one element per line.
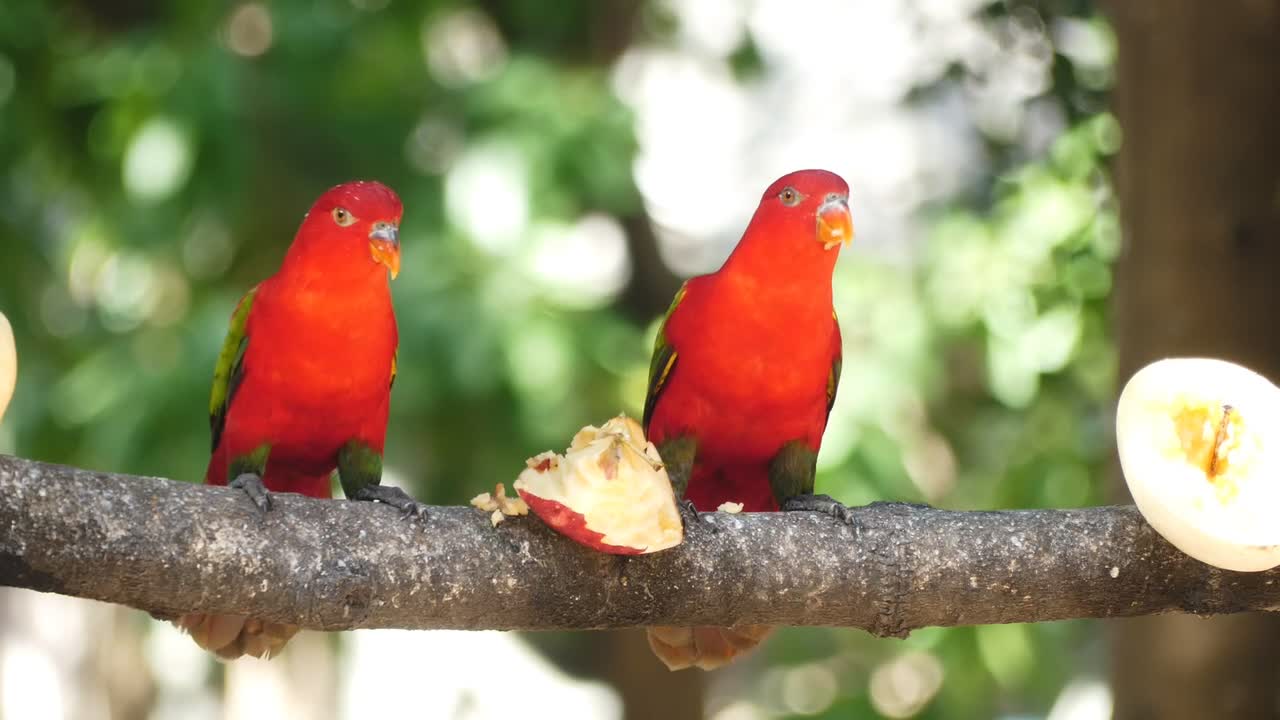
<point x="572" y="525"/>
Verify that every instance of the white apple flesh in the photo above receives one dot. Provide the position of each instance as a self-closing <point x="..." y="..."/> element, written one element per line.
<point x="1199" y="444"/>
<point x="609" y="491"/>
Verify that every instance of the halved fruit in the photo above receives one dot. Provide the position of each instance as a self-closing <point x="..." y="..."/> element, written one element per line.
<point x="1198" y="442"/>
<point x="609" y="491"/>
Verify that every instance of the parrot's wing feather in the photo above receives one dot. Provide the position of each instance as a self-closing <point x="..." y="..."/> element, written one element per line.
<point x="229" y="371"/>
<point x="395" y="362"/>
<point x="833" y="377"/>
<point x="833" y="382"/>
<point x="664" y="360"/>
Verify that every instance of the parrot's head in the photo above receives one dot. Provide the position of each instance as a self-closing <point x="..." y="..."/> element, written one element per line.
<point x="808" y="204"/>
<point x="360" y="220"/>
<point x="797" y="230"/>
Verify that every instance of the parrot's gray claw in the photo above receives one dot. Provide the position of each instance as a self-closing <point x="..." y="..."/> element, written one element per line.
<point x="820" y="503"/>
<point x="252" y="486"/>
<point x="395" y="497"/>
<point x="692" y="518"/>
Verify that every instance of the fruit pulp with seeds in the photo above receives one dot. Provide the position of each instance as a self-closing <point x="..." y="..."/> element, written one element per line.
<point x="1211" y="437"/>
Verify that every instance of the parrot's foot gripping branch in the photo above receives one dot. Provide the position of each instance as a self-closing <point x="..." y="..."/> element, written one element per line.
<point x="393" y="496"/>
<point x="820" y="503"/>
<point x="691" y="517"/>
<point x="252" y="486"/>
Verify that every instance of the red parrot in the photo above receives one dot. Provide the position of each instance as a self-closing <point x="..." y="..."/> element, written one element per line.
<point x="303" y="383"/>
<point x="743" y="376"/>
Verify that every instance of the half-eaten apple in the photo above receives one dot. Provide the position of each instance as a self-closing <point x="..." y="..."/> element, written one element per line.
<point x="609" y="491"/>
<point x="1197" y="440"/>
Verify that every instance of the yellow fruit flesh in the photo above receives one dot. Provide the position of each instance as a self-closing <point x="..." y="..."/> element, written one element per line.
<point x="1212" y="438"/>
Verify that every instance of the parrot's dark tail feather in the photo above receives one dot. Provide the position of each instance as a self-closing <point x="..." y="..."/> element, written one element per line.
<point x="707" y="648"/>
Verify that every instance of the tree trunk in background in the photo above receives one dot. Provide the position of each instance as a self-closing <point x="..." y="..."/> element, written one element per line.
<point x="647" y="687"/>
<point x="1198" y="97"/>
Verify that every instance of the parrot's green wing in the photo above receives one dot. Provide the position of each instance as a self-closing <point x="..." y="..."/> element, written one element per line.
<point x="663" y="362"/>
<point x="833" y="383"/>
<point x="229" y="371"/>
<point x="833" y="377"/>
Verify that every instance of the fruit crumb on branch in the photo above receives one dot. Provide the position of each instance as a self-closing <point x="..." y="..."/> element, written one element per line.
<point x="501" y="505"/>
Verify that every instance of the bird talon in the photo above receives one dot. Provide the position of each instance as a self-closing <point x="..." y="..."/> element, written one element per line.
<point x="820" y="503"/>
<point x="251" y="484"/>
<point x="413" y="511"/>
<point x="409" y="508"/>
<point x="692" y="517"/>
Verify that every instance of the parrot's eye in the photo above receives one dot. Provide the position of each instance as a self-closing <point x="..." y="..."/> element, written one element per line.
<point x="790" y="197"/>
<point x="343" y="217"/>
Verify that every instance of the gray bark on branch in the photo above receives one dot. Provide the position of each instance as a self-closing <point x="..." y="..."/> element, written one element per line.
<point x="169" y="547"/>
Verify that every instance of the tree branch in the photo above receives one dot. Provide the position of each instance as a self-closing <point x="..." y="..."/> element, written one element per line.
<point x="170" y="547"/>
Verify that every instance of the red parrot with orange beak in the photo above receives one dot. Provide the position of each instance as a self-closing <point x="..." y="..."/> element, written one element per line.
<point x="303" y="383"/>
<point x="744" y="374"/>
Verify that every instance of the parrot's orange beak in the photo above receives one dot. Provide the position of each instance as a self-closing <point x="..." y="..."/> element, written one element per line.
<point x="835" y="224"/>
<point x="384" y="246"/>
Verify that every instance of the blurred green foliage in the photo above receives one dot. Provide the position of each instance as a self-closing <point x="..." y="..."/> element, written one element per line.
<point x="120" y="294"/>
<point x="153" y="170"/>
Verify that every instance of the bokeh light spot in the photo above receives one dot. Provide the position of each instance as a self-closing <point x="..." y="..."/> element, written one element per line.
<point x="809" y="689"/>
<point x="249" y="30"/>
<point x="29" y="686"/>
<point x="1007" y="652"/>
<point x="582" y="265"/>
<point x="433" y="145"/>
<point x="486" y="194"/>
<point x="902" y="687"/>
<point x="463" y="47"/>
<point x="158" y="160"/>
